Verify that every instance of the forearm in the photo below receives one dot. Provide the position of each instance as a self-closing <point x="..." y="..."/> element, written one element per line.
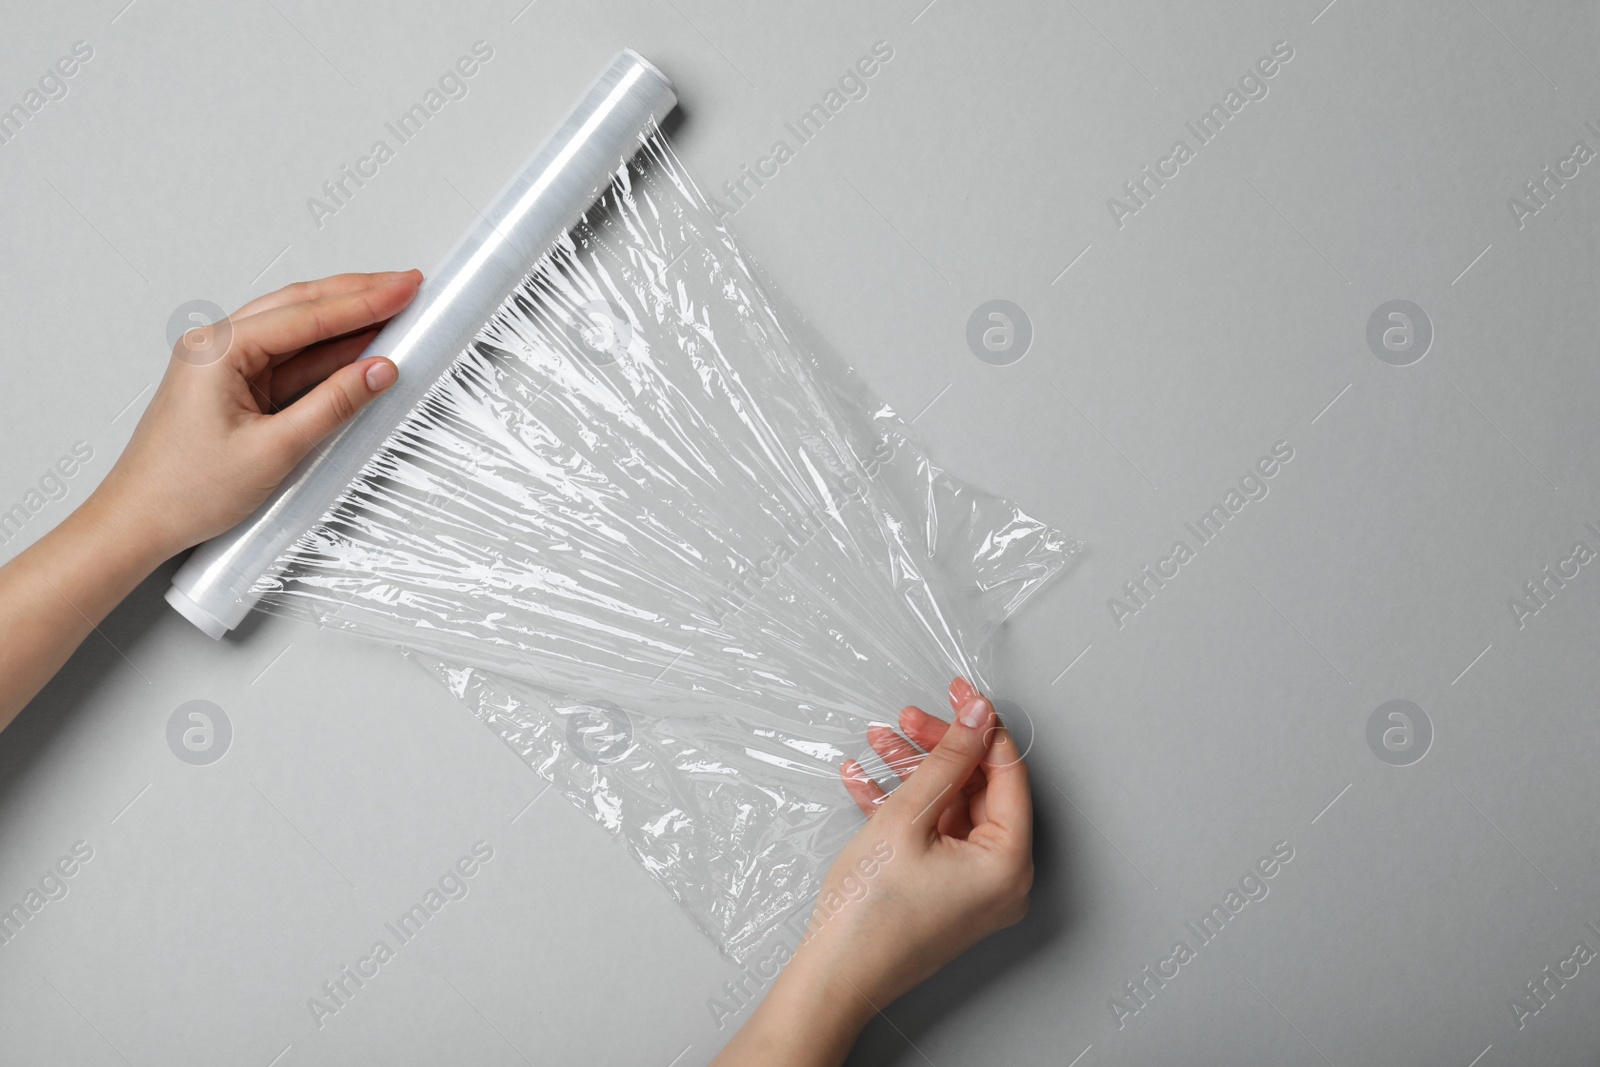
<point x="59" y="589"/>
<point x="810" y="1017"/>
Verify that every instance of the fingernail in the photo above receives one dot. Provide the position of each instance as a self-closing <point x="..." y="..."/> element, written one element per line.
<point x="961" y="691"/>
<point x="380" y="375"/>
<point x="975" y="713"/>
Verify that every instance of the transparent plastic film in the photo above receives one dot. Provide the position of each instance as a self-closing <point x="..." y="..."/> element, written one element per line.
<point x="671" y="553"/>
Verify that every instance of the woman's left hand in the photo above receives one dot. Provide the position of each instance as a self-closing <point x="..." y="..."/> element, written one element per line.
<point x="225" y="425"/>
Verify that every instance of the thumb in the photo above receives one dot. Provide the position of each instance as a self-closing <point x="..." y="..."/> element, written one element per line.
<point x="923" y="797"/>
<point x="333" y="403"/>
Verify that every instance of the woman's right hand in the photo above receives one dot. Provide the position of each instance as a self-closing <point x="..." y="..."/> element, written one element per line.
<point x="943" y="862"/>
<point x="954" y="845"/>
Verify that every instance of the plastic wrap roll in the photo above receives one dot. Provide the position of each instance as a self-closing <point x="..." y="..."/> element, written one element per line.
<point x="215" y="588"/>
<point x="645" y="526"/>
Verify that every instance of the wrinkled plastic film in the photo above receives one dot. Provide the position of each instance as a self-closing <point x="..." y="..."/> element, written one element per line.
<point x="672" y="555"/>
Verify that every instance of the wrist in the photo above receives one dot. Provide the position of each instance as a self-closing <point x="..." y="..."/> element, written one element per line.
<point x="810" y="1017"/>
<point x="121" y="537"/>
<point x="818" y="986"/>
<point x="125" y="529"/>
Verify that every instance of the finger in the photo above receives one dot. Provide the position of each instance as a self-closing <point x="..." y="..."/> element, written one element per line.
<point x="299" y="292"/>
<point x="1006" y="811"/>
<point x="273" y="336"/>
<point x="293" y="376"/>
<point x="901" y="755"/>
<point x="330" y="405"/>
<point x="927" y="731"/>
<point x="862" y="789"/>
<point x="956" y="820"/>
<point x="923" y="729"/>
<point x="946" y="768"/>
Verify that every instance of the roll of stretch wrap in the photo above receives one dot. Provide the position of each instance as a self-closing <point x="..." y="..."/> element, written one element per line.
<point x="551" y="192"/>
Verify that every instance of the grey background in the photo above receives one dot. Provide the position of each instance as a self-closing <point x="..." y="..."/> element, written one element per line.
<point x="1168" y="355"/>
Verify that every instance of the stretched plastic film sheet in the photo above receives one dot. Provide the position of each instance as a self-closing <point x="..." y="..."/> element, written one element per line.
<point x="674" y="557"/>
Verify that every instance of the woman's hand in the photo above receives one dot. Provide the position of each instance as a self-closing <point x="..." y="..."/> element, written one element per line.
<point x="943" y="862"/>
<point x="961" y="832"/>
<point x="225" y="427"/>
